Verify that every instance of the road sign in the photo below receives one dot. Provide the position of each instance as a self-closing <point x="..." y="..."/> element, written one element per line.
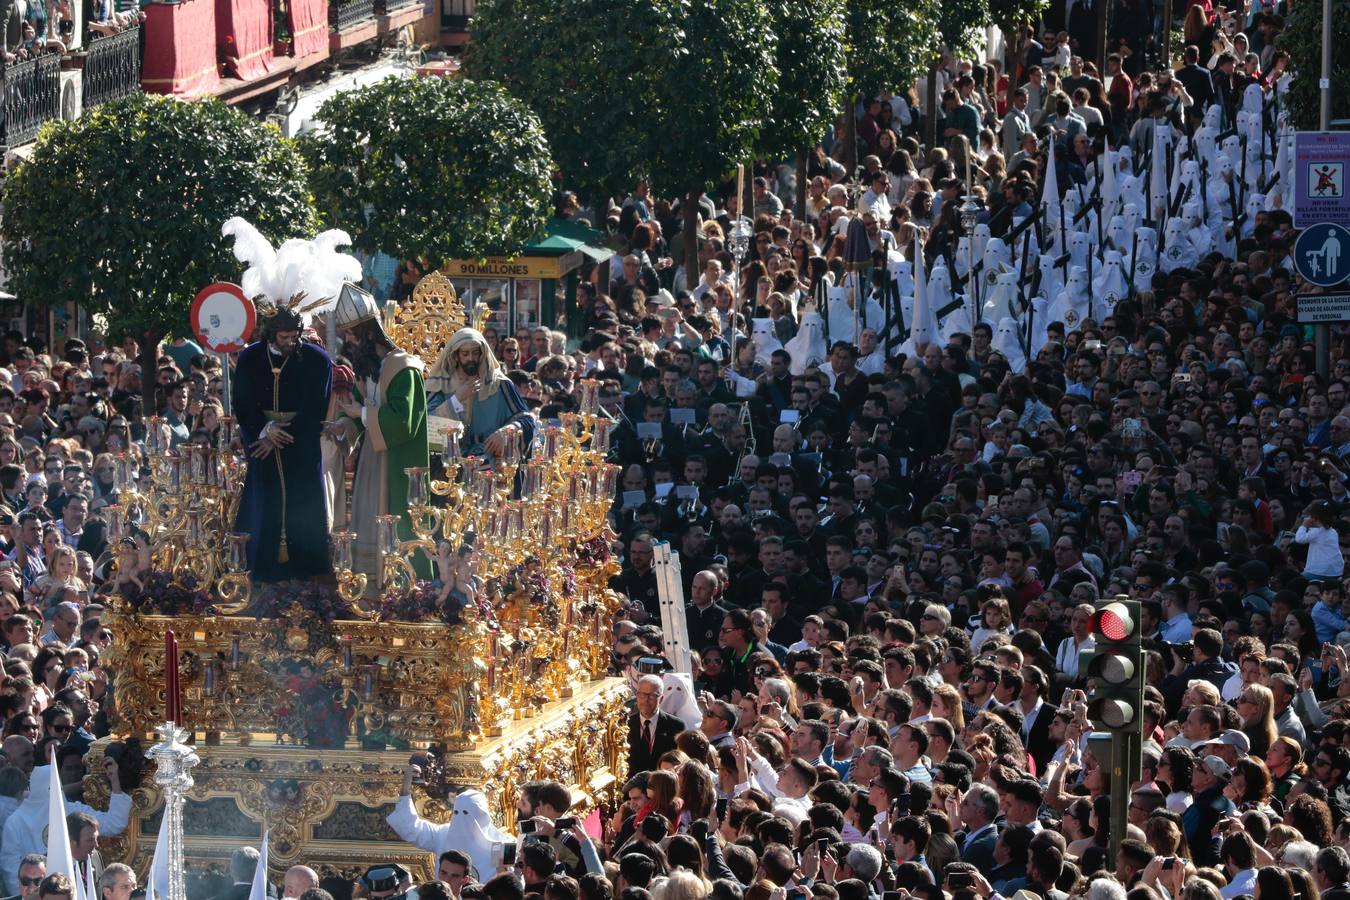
<point x="1320" y="191"/>
<point x="1323" y="308"/>
<point x="222" y="317"/>
<point x="1322" y="254"/>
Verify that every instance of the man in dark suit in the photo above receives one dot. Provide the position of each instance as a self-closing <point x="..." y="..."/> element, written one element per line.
<point x="1038" y="715"/>
<point x="979" y="808"/>
<point x="243" y="865"/>
<point x="650" y="731"/>
<point x="1331" y="871"/>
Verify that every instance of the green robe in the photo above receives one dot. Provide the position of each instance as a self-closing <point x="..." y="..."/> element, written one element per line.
<point x="395" y="439"/>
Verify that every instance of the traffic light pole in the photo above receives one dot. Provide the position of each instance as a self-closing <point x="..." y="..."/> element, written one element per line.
<point x="1115" y="669"/>
<point x="1121" y="757"/>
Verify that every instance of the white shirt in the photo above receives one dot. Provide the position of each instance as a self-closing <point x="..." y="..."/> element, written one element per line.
<point x="1324" y="551"/>
<point x="1028" y="716"/>
<point x="1243" y="883"/>
<point x="1066" y="657"/>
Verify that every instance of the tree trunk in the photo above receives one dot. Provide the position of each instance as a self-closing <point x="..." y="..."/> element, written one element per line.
<point x="691" y="266"/>
<point x="851" y="137"/>
<point x="801" y="183"/>
<point x="930" y="106"/>
<point x="149" y="363"/>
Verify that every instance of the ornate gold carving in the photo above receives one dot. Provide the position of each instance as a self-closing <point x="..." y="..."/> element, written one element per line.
<point x="327" y="809"/>
<point x="422" y="324"/>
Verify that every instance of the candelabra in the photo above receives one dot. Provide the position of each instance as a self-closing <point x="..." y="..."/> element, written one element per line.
<point x="188" y="495"/>
<point x="174" y="761"/>
<point x="350" y="585"/>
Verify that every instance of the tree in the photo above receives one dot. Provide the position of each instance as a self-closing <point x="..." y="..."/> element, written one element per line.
<point x="120" y="210"/>
<point x="430" y="169"/>
<point x="714" y="100"/>
<point x="676" y="90"/>
<point x="1302" y="37"/>
<point x="811" y="80"/>
<point x="888" y="43"/>
<point x="586" y="68"/>
<point x="960" y="27"/>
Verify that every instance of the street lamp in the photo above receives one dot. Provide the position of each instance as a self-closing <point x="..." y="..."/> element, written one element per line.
<point x="738" y="242"/>
<point x="970" y="211"/>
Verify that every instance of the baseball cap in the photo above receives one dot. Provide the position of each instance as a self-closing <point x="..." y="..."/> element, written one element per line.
<point x="1216" y="767"/>
<point x="1232" y="738"/>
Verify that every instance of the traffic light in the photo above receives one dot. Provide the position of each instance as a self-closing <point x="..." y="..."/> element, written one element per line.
<point x="1115" y="668"/>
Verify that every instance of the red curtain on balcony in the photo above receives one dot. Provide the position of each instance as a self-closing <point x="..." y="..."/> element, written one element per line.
<point x="244" y="30"/>
<point x="309" y="26"/>
<point x="180" y="48"/>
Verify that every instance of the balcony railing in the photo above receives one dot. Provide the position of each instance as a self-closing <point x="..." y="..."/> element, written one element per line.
<point x="112" y="67"/>
<point x="391" y="7"/>
<point x="32" y="95"/>
<point x="347" y="14"/>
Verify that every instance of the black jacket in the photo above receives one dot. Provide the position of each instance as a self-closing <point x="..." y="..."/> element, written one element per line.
<point x="642" y="758"/>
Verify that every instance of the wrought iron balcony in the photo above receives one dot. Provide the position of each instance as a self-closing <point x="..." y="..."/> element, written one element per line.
<point x="112" y="67"/>
<point x="32" y="95"/>
<point x="344" y="15"/>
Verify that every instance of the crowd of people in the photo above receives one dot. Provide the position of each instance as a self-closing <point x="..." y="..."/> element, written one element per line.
<point x="892" y="522"/>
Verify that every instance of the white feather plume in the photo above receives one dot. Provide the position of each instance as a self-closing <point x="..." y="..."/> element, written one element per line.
<point x="312" y="268"/>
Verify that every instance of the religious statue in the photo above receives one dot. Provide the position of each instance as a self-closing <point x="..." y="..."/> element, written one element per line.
<point x="281" y="392"/>
<point x="391" y="413"/>
<point x="469" y="385"/>
<point x="281" y="389"/>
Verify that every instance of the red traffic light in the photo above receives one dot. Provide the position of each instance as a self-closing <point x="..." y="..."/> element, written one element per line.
<point x="1113" y="622"/>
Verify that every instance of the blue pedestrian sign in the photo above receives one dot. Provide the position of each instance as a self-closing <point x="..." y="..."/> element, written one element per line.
<point x="1322" y="254"/>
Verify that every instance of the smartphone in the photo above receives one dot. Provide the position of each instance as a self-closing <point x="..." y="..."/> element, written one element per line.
<point x="508" y="855"/>
<point x="822" y="847"/>
<point x="566" y="823"/>
<point x="893" y="895"/>
<point x="1092" y="345"/>
<point x="527" y="826"/>
<point x="960" y="880"/>
<point x="1169" y="863"/>
<point x="1181" y="377"/>
<point x="649" y="665"/>
<point x="722" y="808"/>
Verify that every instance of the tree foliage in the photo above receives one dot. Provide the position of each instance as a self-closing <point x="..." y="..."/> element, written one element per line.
<point x="1012" y="14"/>
<point x="120" y="210"/>
<point x="961" y="25"/>
<point x="715" y="96"/>
<point x="672" y="89"/>
<point x="811" y="77"/>
<point x="585" y="67"/>
<point x="1302" y="37"/>
<point x="431" y="169"/>
<point x="889" y="43"/>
